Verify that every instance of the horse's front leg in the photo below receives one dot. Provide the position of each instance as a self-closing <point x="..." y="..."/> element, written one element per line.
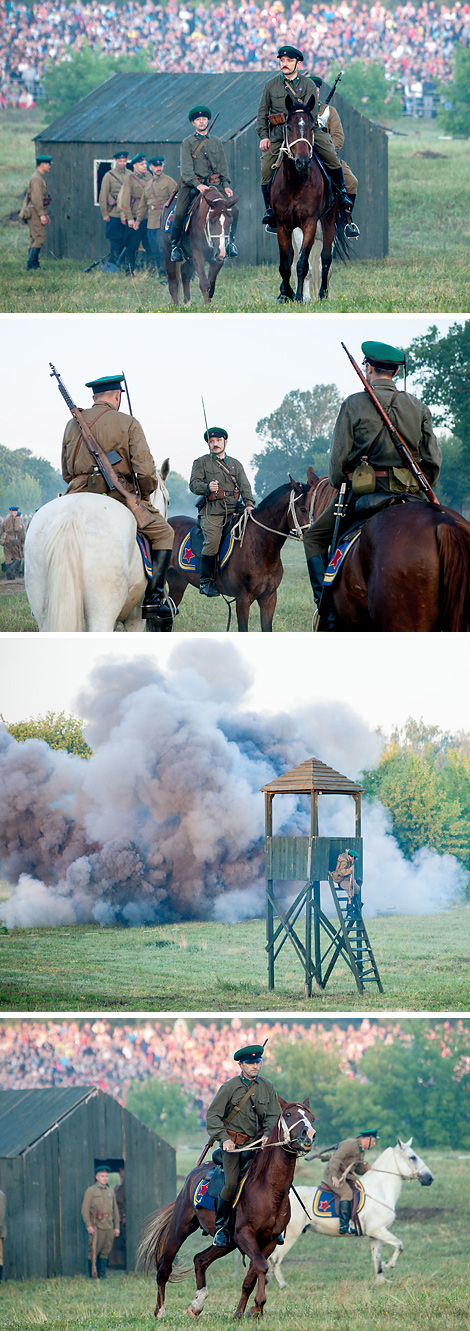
<point x="286" y="255"/>
<point x="214" y="270"/>
<point x="257" y="1272"/>
<point x="202" y="1262"/>
<point x="244" y="603"/>
<point x="186" y="275"/>
<point x="172" y="277"/>
<point x="267" y="606"/>
<point x="303" y="261"/>
<point x="200" y="266"/>
<point x="388" y="1237"/>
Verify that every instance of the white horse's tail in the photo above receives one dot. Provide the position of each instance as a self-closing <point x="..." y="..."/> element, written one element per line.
<point x="65" y="608"/>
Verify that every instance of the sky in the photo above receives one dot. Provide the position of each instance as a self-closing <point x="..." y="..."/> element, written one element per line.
<point x="383" y="679"/>
<point x="240" y="363"/>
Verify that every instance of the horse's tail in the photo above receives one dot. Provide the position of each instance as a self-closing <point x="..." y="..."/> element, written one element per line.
<point x="453" y="543"/>
<point x="342" y="249"/>
<point x="64" y="563"/>
<point x="153" y="1242"/>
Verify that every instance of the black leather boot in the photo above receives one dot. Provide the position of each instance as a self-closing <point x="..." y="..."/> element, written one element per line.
<point x="268" y="219"/>
<point x="223" y="1237"/>
<point x="33" y="258"/>
<point x="316" y="565"/>
<point x="231" y="247"/>
<point x="344" y="1215"/>
<point x="207" y="567"/>
<point x="102" y="1266"/>
<point x="177" y="255"/>
<point x="155" y="608"/>
<point x="344" y="200"/>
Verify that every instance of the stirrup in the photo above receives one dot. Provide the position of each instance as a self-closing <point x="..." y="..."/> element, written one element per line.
<point x="222" y="1238"/>
<point x="232" y="250"/>
<point x="351" y="229"/>
<point x="176" y="255"/>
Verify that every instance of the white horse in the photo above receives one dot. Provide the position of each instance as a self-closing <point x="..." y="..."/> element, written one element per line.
<point x="83" y="568"/>
<point x="382" y="1186"/>
<point x="312" y="282"/>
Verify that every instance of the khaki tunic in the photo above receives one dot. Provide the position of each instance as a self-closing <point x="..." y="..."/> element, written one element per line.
<point x="259" y="1114"/>
<point x="111" y="184"/>
<point x="12" y="537"/>
<point x="332" y="123"/>
<point x="155" y="195"/>
<point x="99" y="1208"/>
<point x="343" y="875"/>
<point x="209" y="161"/>
<point x="38" y="190"/>
<point x="114" y="430"/>
<point x="131" y="196"/>
<point x="216" y="511"/>
<point x="349" y="1154"/>
<point x="359" y="424"/>
<point x="273" y="99"/>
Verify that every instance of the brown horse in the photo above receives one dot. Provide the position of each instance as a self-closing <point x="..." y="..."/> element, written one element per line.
<point x="300" y="199"/>
<point x="409" y="571"/>
<point x="205" y="241"/>
<point x="255" y="569"/>
<point x="262" y="1214"/>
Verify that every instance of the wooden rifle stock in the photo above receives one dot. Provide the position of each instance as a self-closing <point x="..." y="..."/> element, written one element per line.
<point x="400" y="445"/>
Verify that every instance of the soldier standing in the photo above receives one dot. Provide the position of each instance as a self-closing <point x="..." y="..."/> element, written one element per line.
<point x="130" y="197"/>
<point x="12" y="537"/>
<point x="257" y="1111"/>
<point x="34" y="210"/>
<point x="210" y="477"/>
<point x="270" y="123"/>
<point x="203" y="163"/>
<point x="346" y="1163"/>
<point x="111" y="186"/>
<point x="101" y="1216"/>
<point x="156" y="193"/>
<point x="113" y="429"/>
<point x="360" y="435"/>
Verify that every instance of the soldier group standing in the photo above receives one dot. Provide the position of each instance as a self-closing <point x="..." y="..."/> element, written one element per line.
<point x="101" y="1217"/>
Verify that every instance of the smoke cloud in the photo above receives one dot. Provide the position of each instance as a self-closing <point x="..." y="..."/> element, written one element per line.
<point x="165" y="822"/>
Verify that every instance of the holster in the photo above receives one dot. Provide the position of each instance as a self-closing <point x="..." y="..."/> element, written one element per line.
<point x="277" y="118"/>
<point x="240" y="1138"/>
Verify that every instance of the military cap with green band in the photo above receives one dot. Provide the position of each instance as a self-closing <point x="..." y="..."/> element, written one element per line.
<point x="383" y="353"/>
<point x="155" y="161"/>
<point x="200" y="111"/>
<point x="120" y="152"/>
<point x="316" y="79"/>
<point x="107" y="384"/>
<point x="369" y="1132"/>
<point x="251" y="1053"/>
<point x="43" y="157"/>
<point x="139" y="157"/>
<point x="102" y="1169"/>
<point x="215" y="431"/>
<point x="292" y="52"/>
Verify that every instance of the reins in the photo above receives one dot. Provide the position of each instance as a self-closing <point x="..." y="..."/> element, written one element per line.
<point x="241" y="525"/>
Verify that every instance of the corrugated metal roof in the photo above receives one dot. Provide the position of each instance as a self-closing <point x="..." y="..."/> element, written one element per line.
<point x="155" y="110"/>
<point x="26" y="1115"/>
<point x="313" y="776"/>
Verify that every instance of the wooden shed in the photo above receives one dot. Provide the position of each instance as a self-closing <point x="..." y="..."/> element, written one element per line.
<point x="152" y="117"/>
<point x="50" y="1144"/>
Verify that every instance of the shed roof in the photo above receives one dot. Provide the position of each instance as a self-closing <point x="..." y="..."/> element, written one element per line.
<point x="25" y="1116"/>
<point x="312" y="776"/>
<point x="156" y="110"/>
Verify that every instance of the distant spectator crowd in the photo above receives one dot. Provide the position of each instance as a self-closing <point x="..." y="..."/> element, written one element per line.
<point x="101" y="1053"/>
<point x="414" y="42"/>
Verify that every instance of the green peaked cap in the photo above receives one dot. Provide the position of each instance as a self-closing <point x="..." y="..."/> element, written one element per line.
<point x="250" y="1053"/>
<point x="215" y="430"/>
<point x="199" y="111"/>
<point x="383" y="353"/>
<point x="292" y="52"/>
<point x="107" y="384"/>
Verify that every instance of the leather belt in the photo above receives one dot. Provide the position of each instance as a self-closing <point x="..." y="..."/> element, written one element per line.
<point x="377" y="472"/>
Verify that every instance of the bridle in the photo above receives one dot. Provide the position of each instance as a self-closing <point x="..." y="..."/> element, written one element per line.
<point x="288" y="144"/>
<point x="284" y="1137"/>
<point x="223" y="235"/>
<point x="295" y="535"/>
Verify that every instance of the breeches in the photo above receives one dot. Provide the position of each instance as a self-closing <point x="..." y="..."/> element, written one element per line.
<point x="350" y="180"/>
<point x="11" y="552"/>
<point x="154" y="237"/>
<point x="213" y="525"/>
<point x="133" y="238"/>
<point x="104" y="1243"/>
<point x="185" y="196"/>
<point x="115" y="232"/>
<point x="324" y="148"/>
<point x="318" y="536"/>
<point x="232" y="1166"/>
<point x="158" y="533"/>
<point x="37" y="232"/>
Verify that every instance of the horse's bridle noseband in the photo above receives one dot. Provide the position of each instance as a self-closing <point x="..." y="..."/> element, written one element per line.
<point x="289" y="144"/>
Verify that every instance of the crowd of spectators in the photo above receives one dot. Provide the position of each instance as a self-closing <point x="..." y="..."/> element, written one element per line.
<point x="415" y="42"/>
<point x="101" y="1053"/>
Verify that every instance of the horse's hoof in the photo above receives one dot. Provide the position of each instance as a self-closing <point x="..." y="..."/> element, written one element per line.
<point x="160" y="1314"/>
<point x="380" y="1279"/>
<point x="282" y="300"/>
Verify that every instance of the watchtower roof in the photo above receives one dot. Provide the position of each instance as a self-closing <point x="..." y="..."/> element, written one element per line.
<point x="310" y="777"/>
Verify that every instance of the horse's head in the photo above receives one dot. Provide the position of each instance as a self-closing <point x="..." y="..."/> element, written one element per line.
<point x="410" y="1164"/>
<point x="294" y="1128"/>
<point x="300" y="504"/>
<point x="219" y="221"/>
<point x="299" y="132"/>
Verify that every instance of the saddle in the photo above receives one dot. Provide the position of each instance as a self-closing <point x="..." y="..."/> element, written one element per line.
<point x="358" y="511"/>
<point x="326" y="1202"/>
<point x="189" y="552"/>
<point x="209" y="1188"/>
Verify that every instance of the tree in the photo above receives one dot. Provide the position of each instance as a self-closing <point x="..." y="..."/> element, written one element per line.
<point x="84" y="70"/>
<point x="428" y="798"/>
<point x="441" y="367"/>
<point x="366" y="87"/>
<point x="26" y="480"/>
<point x="58" y="730"/>
<point x="164" y="1107"/>
<point x="454" y="115"/>
<point x="181" y="499"/>
<point x="295" y="436"/>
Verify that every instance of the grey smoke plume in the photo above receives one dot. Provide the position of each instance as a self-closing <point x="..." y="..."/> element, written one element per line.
<point x="165" y="822"/>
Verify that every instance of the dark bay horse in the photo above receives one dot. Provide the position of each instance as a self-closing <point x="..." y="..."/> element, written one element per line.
<point x="254" y="570"/>
<point x="262" y="1214"/>
<point x="299" y="197"/>
<point x="206" y="241"/>
<point x="409" y="572"/>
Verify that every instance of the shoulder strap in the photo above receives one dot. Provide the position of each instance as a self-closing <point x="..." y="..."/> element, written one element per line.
<point x="382" y="427"/>
<point x="90" y="423"/>
<point x="241" y="1102"/>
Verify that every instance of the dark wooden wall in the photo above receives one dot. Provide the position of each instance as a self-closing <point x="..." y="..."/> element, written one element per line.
<point x="44" y="1187"/>
<point x="77" y="228"/>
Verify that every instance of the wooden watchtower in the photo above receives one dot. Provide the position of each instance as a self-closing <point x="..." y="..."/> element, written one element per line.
<point x="313" y="858"/>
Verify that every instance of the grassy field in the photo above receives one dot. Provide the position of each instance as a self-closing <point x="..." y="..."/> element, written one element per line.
<point x="427" y="267"/>
<point x="330" y="1284"/>
<point x="423" y="962"/>
<point x="197" y="613"/>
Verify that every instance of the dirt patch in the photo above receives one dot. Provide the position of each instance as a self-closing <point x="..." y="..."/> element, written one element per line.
<point x="428" y="152"/>
<point x="421" y="1212"/>
<point x="6" y="587"/>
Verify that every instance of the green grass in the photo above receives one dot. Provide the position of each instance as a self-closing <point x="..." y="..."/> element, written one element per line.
<point x="423" y="962"/>
<point x="330" y="1284"/>
<point x="197" y="613"/>
<point x="427" y="268"/>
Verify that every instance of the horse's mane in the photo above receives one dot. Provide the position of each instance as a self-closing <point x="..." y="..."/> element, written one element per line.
<point x="260" y="1164"/>
<point x="276" y="494"/>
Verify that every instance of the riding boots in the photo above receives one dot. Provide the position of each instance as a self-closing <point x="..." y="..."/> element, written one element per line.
<point x="33" y="259"/>
<point x="102" y="1267"/>
<point x="269" y="220"/>
<point x="344" y="1217"/>
<point x="344" y="200"/>
<point x="177" y="255"/>
<point x="155" y="608"/>
<point x="207" y="569"/>
<point x="316" y="570"/>
<point x="223" y="1237"/>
